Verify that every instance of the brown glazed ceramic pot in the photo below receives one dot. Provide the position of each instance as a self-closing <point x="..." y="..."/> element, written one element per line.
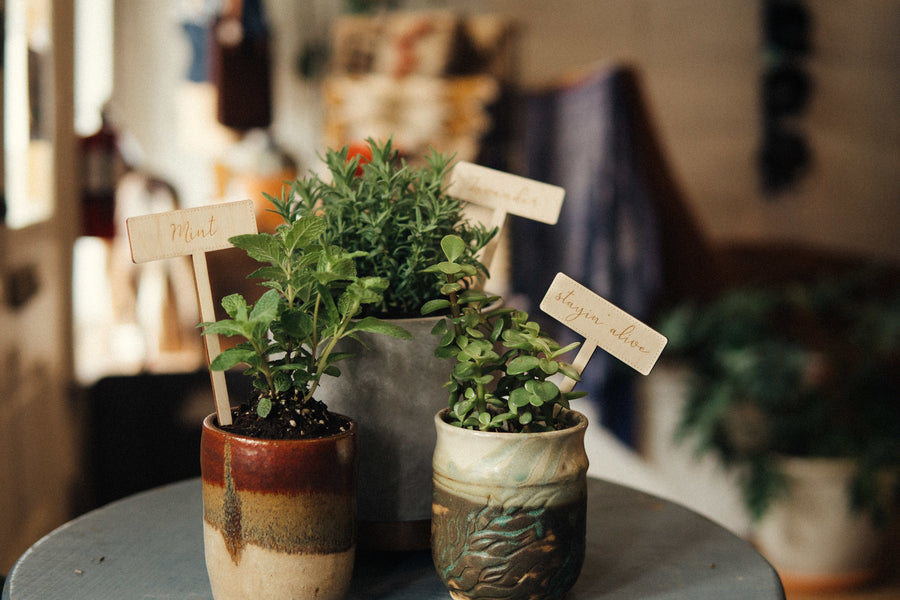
<point x="509" y="511"/>
<point x="279" y="516"/>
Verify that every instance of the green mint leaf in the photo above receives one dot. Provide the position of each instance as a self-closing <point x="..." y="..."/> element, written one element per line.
<point x="261" y="247"/>
<point x="266" y="308"/>
<point x="235" y="306"/>
<point x="232" y="357"/>
<point x="264" y="407"/>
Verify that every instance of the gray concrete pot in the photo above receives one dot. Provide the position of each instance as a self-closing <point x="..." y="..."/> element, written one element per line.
<point x="392" y="388"/>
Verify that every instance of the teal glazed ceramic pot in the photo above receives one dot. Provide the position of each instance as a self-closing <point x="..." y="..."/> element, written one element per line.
<point x="509" y="511"/>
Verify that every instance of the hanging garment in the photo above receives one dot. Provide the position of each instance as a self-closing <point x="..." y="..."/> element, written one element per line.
<point x="581" y="137"/>
<point x="241" y="66"/>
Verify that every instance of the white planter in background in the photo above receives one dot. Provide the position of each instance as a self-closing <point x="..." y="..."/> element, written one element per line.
<point x="812" y="536"/>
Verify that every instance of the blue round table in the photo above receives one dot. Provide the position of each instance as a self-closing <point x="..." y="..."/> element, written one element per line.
<point x="150" y="545"/>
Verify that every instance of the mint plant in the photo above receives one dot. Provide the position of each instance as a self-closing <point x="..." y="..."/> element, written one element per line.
<point x="290" y="333"/>
<point x="500" y="381"/>
<point x="393" y="213"/>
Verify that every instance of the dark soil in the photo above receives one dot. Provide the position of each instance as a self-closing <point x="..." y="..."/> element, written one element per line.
<point x="287" y="421"/>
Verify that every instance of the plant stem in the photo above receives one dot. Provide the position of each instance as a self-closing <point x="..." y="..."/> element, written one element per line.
<point x="266" y="371"/>
<point x="322" y="359"/>
<point x="454" y="306"/>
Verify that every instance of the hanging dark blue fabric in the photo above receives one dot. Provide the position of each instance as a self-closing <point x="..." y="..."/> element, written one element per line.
<point x="581" y="137"/>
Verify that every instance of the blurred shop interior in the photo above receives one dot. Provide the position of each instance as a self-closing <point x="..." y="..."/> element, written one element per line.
<point x="693" y="160"/>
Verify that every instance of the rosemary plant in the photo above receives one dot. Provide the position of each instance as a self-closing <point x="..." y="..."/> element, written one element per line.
<point x="392" y="214"/>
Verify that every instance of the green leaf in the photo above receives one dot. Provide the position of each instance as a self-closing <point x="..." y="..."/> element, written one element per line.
<point x="231" y="357"/>
<point x="453" y="247"/>
<point x="282" y="381"/>
<point x="373" y="325"/>
<point x="449" y="268"/>
<point x="475" y="348"/>
<point x="545" y="390"/>
<point x="463" y="370"/>
<point x="470" y="296"/>
<point x="271" y="275"/>
<point x="497" y="422"/>
<point x="451" y="288"/>
<point x="497" y="331"/>
<point x="446" y="352"/>
<point x="565" y="349"/>
<point x="348" y="304"/>
<point x="296" y="324"/>
<point x="474" y="332"/>
<point x="227" y="327"/>
<point x="447" y="338"/>
<point x="569" y="371"/>
<point x="336" y="356"/>
<point x="468" y="270"/>
<point x="434" y="306"/>
<point x="235" y="306"/>
<point x="266" y="308"/>
<point x="519" y="397"/>
<point x="261" y="247"/>
<point x="304" y="232"/>
<point x="264" y="407"/>
<point x="550" y="367"/>
<point x="440" y="328"/>
<point x="522" y="364"/>
<point x="462" y="408"/>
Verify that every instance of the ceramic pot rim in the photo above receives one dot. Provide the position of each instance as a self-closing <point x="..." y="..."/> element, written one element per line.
<point x="210" y="423"/>
<point x="581" y="423"/>
<point x="434" y="317"/>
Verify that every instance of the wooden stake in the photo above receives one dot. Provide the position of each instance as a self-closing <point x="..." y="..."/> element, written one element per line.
<point x="581" y="360"/>
<point x="195" y="231"/>
<point x="499" y="221"/>
<point x="213" y="347"/>
<point x="603" y="325"/>
<point x="504" y="193"/>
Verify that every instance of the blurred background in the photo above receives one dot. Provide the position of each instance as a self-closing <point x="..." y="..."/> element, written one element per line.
<point x="704" y="144"/>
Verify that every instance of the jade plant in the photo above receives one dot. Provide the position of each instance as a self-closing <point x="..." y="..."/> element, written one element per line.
<point x="503" y="361"/>
<point x="289" y="335"/>
<point x="392" y="213"/>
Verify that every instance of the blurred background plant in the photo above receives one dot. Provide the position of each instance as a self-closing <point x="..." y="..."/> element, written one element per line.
<point x="806" y="369"/>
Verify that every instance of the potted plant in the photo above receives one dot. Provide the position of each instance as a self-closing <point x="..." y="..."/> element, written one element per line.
<point x="509" y="482"/>
<point x="393" y="215"/>
<point x="279" y="491"/>
<point x="791" y="384"/>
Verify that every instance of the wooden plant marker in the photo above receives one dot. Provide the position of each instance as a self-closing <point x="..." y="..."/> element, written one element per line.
<point x="504" y="193"/>
<point x="195" y="231"/>
<point x="602" y="324"/>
